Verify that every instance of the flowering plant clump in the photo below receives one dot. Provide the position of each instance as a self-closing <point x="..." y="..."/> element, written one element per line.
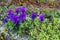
<point x="20" y="17"/>
<point x="38" y="26"/>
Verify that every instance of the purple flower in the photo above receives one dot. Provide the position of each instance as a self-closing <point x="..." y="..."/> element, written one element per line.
<point x="34" y="15"/>
<point x="6" y="20"/>
<point x="15" y="19"/>
<point x="18" y="10"/>
<point x="22" y="17"/>
<point x="10" y="12"/>
<point x="21" y="9"/>
<point x="41" y="17"/>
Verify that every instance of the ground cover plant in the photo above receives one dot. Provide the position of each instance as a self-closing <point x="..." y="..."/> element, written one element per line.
<point x="29" y="20"/>
<point x="37" y="24"/>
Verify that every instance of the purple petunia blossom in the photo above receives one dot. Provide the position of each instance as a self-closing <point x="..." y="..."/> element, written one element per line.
<point x="41" y="17"/>
<point x="22" y="17"/>
<point x="34" y="15"/>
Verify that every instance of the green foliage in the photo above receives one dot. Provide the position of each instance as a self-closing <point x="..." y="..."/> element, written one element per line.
<point x="37" y="11"/>
<point x="10" y="25"/>
<point x="1" y="9"/>
<point x="48" y="30"/>
<point x="42" y="0"/>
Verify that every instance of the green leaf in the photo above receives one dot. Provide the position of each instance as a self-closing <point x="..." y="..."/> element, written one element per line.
<point x="1" y="9"/>
<point x="38" y="12"/>
<point x="42" y="0"/>
<point x="10" y="25"/>
<point x="28" y="12"/>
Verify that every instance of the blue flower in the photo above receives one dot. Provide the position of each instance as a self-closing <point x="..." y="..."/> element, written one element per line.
<point x="41" y="17"/>
<point x="22" y="17"/>
<point x="34" y="15"/>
